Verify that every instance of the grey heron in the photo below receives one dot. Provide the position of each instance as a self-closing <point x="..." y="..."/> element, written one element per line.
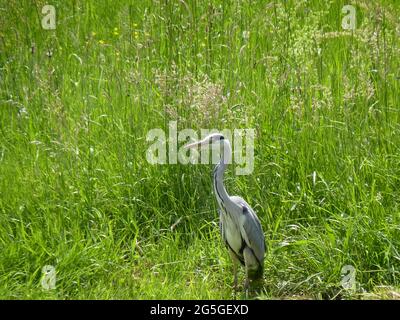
<point x="239" y="225"/>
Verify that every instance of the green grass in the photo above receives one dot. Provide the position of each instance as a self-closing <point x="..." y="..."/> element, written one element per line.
<point x="76" y="103"/>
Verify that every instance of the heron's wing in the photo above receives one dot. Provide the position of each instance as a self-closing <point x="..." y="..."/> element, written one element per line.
<point x="251" y="230"/>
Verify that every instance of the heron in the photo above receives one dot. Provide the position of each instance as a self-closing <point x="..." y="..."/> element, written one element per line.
<point x="239" y="225"/>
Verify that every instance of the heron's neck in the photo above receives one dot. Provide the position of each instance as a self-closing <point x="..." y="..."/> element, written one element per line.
<point x="219" y="188"/>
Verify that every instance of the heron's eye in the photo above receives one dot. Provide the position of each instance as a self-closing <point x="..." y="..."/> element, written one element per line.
<point x="221" y="138"/>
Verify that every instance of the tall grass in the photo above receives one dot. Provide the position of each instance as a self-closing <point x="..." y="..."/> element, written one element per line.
<point x="76" y="103"/>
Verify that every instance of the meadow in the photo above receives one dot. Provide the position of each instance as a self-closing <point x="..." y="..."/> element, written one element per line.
<point x="76" y="105"/>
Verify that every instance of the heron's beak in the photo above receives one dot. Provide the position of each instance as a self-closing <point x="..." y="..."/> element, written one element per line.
<point x="197" y="143"/>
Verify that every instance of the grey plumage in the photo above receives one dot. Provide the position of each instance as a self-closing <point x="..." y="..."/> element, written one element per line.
<point x="240" y="227"/>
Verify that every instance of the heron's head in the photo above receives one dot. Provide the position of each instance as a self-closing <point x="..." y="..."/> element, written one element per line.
<point x="212" y="139"/>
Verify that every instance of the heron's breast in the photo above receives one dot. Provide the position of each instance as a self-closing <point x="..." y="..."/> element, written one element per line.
<point x="232" y="233"/>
